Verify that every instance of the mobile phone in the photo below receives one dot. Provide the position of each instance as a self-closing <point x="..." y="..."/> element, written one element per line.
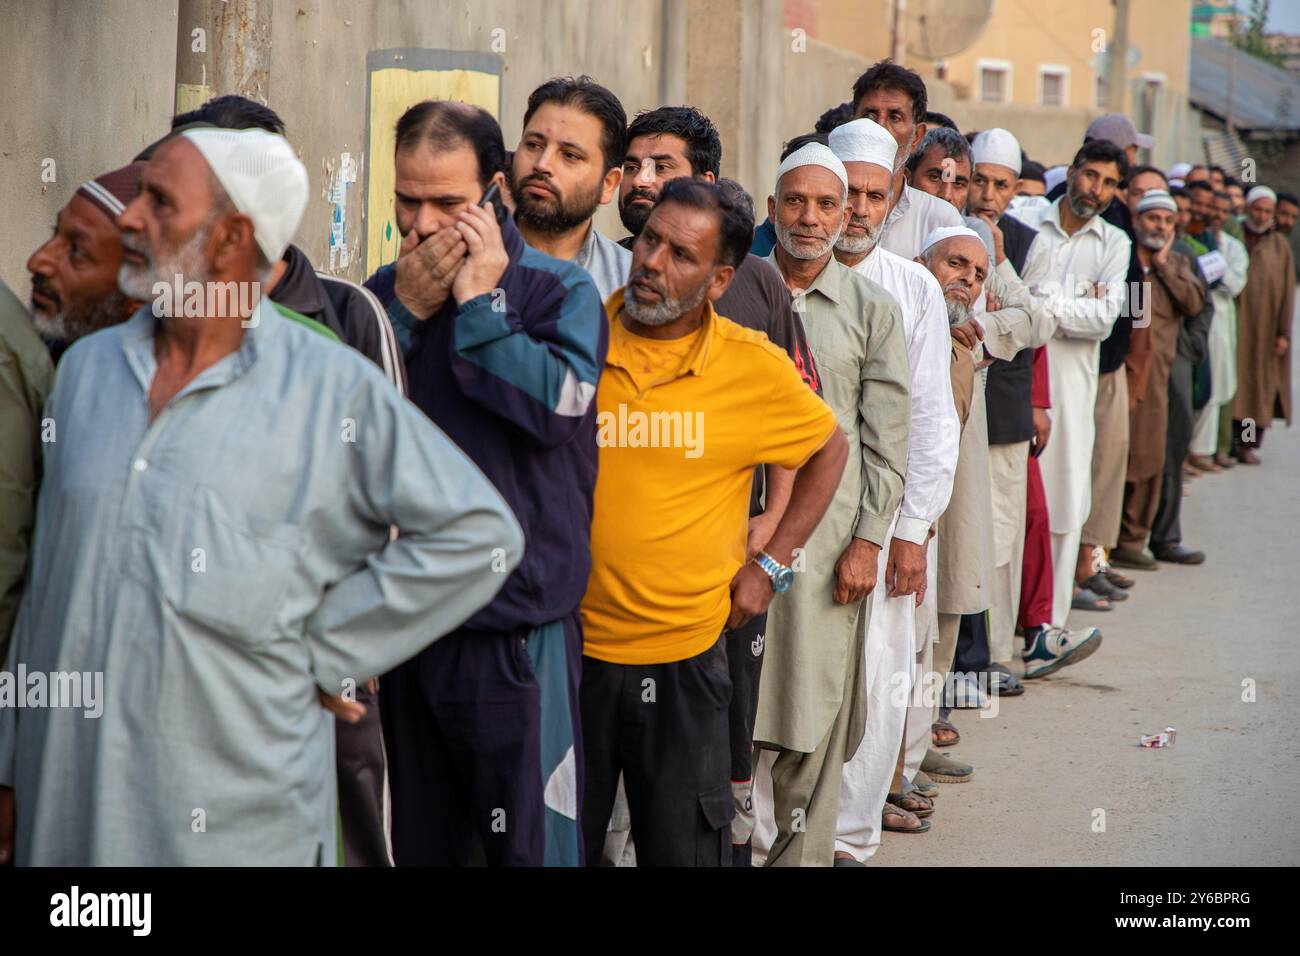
<point x="493" y="198"/>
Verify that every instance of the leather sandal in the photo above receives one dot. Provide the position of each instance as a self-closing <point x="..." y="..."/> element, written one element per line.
<point x="912" y="824"/>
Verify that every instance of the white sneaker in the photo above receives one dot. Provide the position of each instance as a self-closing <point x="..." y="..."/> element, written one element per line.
<point x="1055" y="647"/>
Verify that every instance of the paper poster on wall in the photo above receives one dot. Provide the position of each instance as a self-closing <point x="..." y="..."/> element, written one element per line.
<point x="397" y="79"/>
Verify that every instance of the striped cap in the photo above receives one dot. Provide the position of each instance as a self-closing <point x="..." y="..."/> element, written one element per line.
<point x="112" y="192"/>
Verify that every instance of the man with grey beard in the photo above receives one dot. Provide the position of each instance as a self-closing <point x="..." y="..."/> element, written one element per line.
<point x="895" y="97"/>
<point x="74" y="293"/>
<point x="810" y="705"/>
<point x="669" y="569"/>
<point x="893" y="629"/>
<point x="214" y="535"/>
<point x="74" y="272"/>
<point x="1172" y="294"/>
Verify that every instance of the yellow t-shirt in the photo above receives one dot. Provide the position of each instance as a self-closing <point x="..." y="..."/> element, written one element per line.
<point x="680" y="425"/>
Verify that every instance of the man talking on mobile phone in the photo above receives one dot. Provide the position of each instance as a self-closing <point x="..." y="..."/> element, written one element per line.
<point x="504" y="347"/>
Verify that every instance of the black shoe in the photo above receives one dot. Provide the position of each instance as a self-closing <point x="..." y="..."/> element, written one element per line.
<point x="1180" y="555"/>
<point x="1100" y="585"/>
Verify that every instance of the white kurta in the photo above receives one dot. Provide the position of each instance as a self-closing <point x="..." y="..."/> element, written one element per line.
<point x="1060" y="273"/>
<point x="1223" y="343"/>
<point x="913" y="217"/>
<point x="931" y="464"/>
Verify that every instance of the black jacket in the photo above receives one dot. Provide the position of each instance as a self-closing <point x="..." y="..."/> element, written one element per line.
<point x="348" y="310"/>
<point x="1007" y="388"/>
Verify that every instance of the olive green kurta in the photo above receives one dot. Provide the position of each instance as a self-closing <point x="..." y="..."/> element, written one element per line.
<point x="1264" y="313"/>
<point x="855" y="332"/>
<point x="26" y="377"/>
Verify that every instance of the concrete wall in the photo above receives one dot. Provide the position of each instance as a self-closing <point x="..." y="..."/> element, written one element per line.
<point x="86" y="85"/>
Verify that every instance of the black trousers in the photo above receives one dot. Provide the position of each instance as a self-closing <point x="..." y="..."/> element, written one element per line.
<point x="1166" y="531"/>
<point x="359" y="750"/>
<point x="665" y="727"/>
<point x="972" y="644"/>
<point x="745" y="664"/>
<point x="476" y="725"/>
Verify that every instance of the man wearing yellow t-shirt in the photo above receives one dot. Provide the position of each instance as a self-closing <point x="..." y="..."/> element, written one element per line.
<point x="689" y="403"/>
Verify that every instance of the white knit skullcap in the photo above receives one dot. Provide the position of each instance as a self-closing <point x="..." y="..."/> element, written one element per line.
<point x="1054" y="177"/>
<point x="1156" y="199"/>
<point x="1258" y="193"/>
<point x="262" y="177"/>
<point x="864" y="141"/>
<point x="996" y="146"/>
<point x="1179" y="170"/>
<point x="813" y="154"/>
<point x="949" y="232"/>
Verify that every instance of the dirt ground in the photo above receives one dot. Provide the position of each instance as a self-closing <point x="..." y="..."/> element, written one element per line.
<point x="1182" y="652"/>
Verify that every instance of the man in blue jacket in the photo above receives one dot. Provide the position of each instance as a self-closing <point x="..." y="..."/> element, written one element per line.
<point x="504" y="347"/>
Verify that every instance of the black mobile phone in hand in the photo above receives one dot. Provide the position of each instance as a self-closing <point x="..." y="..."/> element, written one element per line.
<point x="493" y="198"/>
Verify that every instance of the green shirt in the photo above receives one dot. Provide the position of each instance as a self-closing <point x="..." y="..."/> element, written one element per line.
<point x="26" y="376"/>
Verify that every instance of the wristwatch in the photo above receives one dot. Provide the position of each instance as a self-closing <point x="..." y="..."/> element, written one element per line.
<point x="782" y="577"/>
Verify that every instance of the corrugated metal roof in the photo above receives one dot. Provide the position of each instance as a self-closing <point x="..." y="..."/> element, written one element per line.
<point x="1264" y="97"/>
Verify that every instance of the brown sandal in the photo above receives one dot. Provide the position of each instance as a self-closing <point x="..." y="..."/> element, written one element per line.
<point x="943" y="726"/>
<point x="914" y="825"/>
<point x="912" y="802"/>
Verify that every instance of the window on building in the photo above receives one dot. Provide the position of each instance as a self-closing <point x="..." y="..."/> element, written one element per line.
<point x="1053" y="85"/>
<point x="994" y="81"/>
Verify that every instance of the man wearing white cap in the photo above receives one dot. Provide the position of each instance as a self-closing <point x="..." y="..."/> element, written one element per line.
<point x="1079" y="273"/>
<point x="867" y="151"/>
<point x="810" y="700"/>
<point x="1171" y="295"/>
<point x="1263" y="329"/>
<point x="895" y="97"/>
<point x="1013" y="423"/>
<point x="213" y="545"/>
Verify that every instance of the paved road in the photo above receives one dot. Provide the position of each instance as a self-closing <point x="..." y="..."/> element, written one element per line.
<point x="1176" y="653"/>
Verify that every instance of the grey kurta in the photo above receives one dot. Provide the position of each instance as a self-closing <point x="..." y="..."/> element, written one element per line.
<point x="218" y="566"/>
<point x="965" y="532"/>
<point x="855" y="332"/>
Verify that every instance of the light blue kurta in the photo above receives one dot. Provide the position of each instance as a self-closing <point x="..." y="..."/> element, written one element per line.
<point x="218" y="566"/>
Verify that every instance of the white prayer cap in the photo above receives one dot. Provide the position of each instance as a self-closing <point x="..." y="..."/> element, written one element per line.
<point x="996" y="146"/>
<point x="1176" y="182"/>
<point x="1156" y="199"/>
<point x="813" y="154"/>
<point x="1258" y="193"/>
<point x="864" y="141"/>
<point x="1054" y="177"/>
<point x="262" y="177"/>
<point x="949" y="232"/>
<point x="1179" y="170"/>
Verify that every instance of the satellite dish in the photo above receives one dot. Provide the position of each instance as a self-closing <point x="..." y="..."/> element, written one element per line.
<point x="934" y="29"/>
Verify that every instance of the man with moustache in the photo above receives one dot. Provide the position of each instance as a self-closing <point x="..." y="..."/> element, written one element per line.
<point x="669" y="569"/>
<point x="810" y="709"/>
<point x="1175" y="295"/>
<point x="1212" y="439"/>
<point x="1079" y="275"/>
<point x="568" y="162"/>
<point x="895" y="97"/>
<point x="206" y="540"/>
<point x="867" y="151"/>
<point x="74" y="272"/>
<point x="1285" y="212"/>
<point x="1264" y="315"/>
<point x="74" y="292"/>
<point x="1013" y="422"/>
<point x="484" y="728"/>
<point x="675" y="142"/>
